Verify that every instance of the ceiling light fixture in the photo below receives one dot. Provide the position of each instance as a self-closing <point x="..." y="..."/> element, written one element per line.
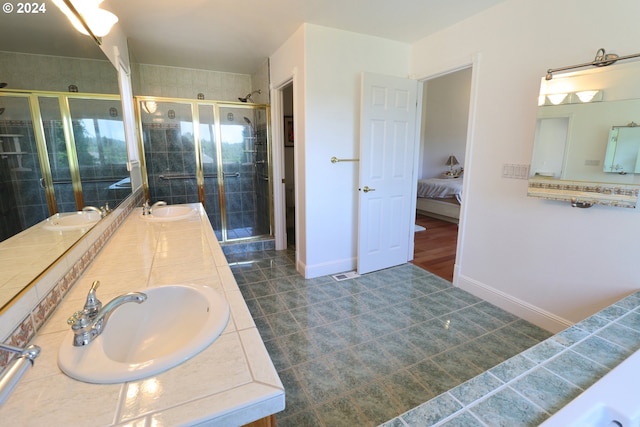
<point x="87" y="17"/>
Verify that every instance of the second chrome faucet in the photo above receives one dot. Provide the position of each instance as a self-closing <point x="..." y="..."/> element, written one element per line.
<point x="148" y="210"/>
<point x="89" y="323"/>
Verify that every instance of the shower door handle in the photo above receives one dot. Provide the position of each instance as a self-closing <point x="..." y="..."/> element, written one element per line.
<point x="366" y="189"/>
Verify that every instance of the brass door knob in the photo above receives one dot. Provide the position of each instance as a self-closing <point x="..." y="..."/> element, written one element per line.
<point x="367" y="189"/>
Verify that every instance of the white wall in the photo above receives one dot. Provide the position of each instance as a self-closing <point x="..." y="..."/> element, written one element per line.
<point x="545" y="260"/>
<point x="444" y="116"/>
<point x="286" y="65"/>
<point x="327" y="124"/>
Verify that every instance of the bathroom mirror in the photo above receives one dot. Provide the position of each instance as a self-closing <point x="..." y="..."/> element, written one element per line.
<point x="584" y="145"/>
<point x="25" y="256"/>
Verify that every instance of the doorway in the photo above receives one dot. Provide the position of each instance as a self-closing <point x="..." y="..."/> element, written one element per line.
<point x="289" y="175"/>
<point x="444" y="134"/>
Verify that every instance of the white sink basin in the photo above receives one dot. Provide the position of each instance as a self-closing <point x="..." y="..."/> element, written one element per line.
<point x="175" y="323"/>
<point x="71" y="221"/>
<point x="169" y="213"/>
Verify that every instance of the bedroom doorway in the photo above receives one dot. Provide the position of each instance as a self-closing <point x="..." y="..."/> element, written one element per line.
<point x="443" y="147"/>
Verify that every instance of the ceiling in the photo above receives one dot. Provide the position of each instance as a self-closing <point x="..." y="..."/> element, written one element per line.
<point x="232" y="35"/>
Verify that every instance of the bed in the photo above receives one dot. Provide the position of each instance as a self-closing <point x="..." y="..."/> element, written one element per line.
<point x="440" y="198"/>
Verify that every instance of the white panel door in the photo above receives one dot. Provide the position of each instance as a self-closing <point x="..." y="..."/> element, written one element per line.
<point x="387" y="147"/>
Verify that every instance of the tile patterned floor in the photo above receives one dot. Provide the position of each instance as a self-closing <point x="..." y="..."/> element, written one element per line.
<point x="362" y="351"/>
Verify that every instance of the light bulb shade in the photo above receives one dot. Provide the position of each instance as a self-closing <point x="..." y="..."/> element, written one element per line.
<point x="451" y="161"/>
<point x="557" y="98"/>
<point x="150" y="107"/>
<point x="100" y="21"/>
<point x="589" y="96"/>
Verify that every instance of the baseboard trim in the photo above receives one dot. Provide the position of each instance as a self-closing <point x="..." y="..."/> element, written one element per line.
<point x="326" y="269"/>
<point x="513" y="305"/>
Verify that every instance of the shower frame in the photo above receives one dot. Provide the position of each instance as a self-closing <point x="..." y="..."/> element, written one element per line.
<point x="63" y="98"/>
<point x="200" y="181"/>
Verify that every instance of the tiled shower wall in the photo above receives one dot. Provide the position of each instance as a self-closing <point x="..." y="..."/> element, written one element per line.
<point x="168" y="154"/>
<point x="263" y="185"/>
<point x="175" y="82"/>
<point x="55" y="73"/>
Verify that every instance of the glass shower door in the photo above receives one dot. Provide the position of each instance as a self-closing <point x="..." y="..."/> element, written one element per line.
<point x="243" y="142"/>
<point x="169" y="148"/>
<point x="209" y="156"/>
<point x="101" y="151"/>
<point x="57" y="154"/>
<point x="23" y="202"/>
<point x="229" y="150"/>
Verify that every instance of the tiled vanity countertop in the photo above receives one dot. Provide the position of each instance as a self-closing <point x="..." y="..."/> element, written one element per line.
<point x="530" y="387"/>
<point x="232" y="382"/>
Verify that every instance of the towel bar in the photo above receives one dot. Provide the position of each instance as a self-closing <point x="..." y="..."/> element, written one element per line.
<point x="334" y="159"/>
<point x="17" y="368"/>
<point x="214" y="175"/>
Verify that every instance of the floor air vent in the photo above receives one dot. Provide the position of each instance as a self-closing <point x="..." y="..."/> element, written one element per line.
<point x="345" y="276"/>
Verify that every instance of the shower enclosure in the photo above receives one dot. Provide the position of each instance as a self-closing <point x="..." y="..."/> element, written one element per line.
<point x="59" y="152"/>
<point x="216" y="153"/>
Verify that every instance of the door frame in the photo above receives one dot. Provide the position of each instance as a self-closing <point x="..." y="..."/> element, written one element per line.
<point x="278" y="158"/>
<point x="473" y="62"/>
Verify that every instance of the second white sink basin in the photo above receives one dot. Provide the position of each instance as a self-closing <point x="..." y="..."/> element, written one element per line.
<point x="71" y="221"/>
<point x="175" y="323"/>
<point x="169" y="213"/>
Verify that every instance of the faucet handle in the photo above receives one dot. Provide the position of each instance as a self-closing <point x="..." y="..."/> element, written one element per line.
<point x="93" y="305"/>
<point x="77" y="320"/>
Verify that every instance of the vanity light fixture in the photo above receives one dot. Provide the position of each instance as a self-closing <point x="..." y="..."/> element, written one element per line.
<point x="87" y="17"/>
<point x="582" y="97"/>
<point x="602" y="59"/>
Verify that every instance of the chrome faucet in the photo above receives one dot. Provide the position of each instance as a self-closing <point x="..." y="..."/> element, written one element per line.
<point x="93" y="209"/>
<point x="146" y="209"/>
<point x="89" y="323"/>
<point x="156" y="204"/>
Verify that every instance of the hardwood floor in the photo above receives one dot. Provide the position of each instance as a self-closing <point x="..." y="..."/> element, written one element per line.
<point x="435" y="248"/>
